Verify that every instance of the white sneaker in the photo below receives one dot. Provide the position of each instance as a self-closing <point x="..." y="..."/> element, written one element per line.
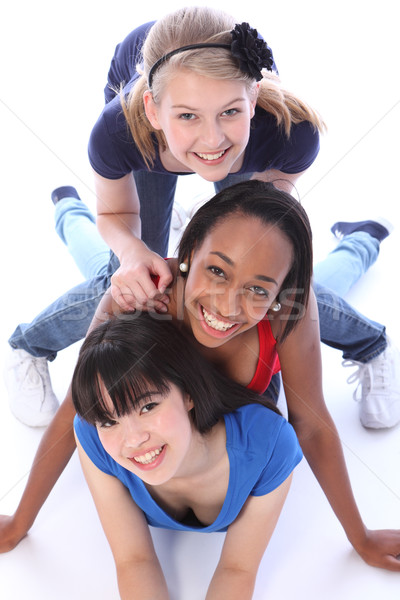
<point x="380" y="388"/>
<point x="31" y="396"/>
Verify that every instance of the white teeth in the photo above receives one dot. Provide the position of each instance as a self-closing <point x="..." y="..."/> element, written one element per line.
<point x="147" y="458"/>
<point x="214" y="322"/>
<point x="211" y="156"/>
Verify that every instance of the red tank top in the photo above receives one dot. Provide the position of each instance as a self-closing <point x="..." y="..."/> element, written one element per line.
<point x="268" y="360"/>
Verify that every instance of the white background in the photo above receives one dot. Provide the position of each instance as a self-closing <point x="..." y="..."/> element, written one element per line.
<point x="343" y="58"/>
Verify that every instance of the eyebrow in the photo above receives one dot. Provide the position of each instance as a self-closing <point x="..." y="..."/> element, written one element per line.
<point x="230" y="262"/>
<point x="185" y="106"/>
<point x="146" y="395"/>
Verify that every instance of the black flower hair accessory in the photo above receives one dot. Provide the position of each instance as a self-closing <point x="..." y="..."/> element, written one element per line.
<point x="251" y="51"/>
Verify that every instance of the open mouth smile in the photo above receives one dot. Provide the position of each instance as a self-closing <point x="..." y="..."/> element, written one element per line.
<point x="149" y="457"/>
<point x="215" y="327"/>
<point x="215" y="323"/>
<point x="211" y="157"/>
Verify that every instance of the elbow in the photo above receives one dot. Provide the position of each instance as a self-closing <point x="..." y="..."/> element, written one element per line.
<point x="240" y="577"/>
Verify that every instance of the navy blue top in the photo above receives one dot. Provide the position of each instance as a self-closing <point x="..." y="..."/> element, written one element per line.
<point x="262" y="449"/>
<point x="113" y="152"/>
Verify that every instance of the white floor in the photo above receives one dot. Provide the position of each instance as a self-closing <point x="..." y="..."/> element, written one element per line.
<point x="344" y="59"/>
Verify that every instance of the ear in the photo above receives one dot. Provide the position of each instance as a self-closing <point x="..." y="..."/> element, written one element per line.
<point x="150" y="108"/>
<point x="188" y="402"/>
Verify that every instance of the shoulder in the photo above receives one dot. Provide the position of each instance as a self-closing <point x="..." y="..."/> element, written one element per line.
<point x="270" y="148"/>
<point x="255" y="426"/>
<point x="111" y="148"/>
<point x="90" y="442"/>
<point x="265" y="447"/>
<point x="132" y="43"/>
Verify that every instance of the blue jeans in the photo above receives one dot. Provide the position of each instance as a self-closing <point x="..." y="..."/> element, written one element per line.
<point x="341" y="326"/>
<point x="351" y="258"/>
<point x="76" y="226"/>
<point x="67" y="320"/>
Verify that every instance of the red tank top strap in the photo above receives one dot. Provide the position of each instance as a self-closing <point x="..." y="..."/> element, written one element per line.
<point x="268" y="360"/>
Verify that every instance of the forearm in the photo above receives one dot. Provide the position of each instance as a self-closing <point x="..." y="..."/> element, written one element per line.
<point x="118" y="213"/>
<point x="121" y="232"/>
<point x="142" y="581"/>
<point x="231" y="583"/>
<point x="54" y="451"/>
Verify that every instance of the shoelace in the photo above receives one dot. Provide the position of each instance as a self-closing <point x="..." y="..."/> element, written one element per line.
<point x="32" y="370"/>
<point x="377" y="373"/>
<point x="358" y="374"/>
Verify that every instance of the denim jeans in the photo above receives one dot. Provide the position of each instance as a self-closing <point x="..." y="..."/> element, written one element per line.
<point x="67" y="320"/>
<point x="351" y="258"/>
<point x="76" y="226"/>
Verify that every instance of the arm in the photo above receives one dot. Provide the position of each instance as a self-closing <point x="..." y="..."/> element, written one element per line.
<point x="245" y="544"/>
<point x="138" y="570"/>
<point x="55" y="449"/>
<point x="118" y="221"/>
<point x="300" y="358"/>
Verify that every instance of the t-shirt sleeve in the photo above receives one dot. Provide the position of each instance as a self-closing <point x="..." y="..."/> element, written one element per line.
<point x="302" y="148"/>
<point x="108" y="151"/>
<point x="284" y="457"/>
<point x="270" y="148"/>
<point x="296" y="153"/>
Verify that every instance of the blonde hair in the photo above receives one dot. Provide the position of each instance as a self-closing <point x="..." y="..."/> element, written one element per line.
<point x="192" y="25"/>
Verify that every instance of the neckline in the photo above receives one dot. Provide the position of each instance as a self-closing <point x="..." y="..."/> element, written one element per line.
<point x="214" y="525"/>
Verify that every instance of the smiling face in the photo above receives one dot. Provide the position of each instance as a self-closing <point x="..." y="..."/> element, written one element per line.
<point x="206" y="122"/>
<point x="154" y="439"/>
<point x="234" y="277"/>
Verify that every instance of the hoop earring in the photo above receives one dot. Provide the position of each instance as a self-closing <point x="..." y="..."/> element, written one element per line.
<point x="183" y="267"/>
<point x="277" y="306"/>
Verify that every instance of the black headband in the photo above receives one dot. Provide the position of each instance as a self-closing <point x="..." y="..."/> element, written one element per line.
<point x="251" y="51"/>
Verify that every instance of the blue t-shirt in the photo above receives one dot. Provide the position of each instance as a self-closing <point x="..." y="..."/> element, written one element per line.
<point x="113" y="152"/>
<point x="262" y="449"/>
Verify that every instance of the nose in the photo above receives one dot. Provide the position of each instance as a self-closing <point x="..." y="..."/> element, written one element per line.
<point x="212" y="135"/>
<point x="229" y="302"/>
<point x="133" y="432"/>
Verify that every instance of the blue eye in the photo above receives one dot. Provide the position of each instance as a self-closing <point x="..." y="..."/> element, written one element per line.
<point x="230" y="112"/>
<point x="187" y="116"/>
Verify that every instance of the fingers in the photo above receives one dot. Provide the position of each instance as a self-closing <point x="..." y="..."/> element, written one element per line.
<point x="142" y="289"/>
<point x="129" y="300"/>
<point x="393" y="563"/>
<point x="164" y="275"/>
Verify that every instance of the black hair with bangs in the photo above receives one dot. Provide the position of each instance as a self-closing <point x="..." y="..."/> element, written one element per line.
<point x="135" y="353"/>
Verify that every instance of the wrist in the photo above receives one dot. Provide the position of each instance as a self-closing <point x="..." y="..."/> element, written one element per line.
<point x="359" y="538"/>
<point x="11" y="532"/>
<point x="130" y="249"/>
<point x="20" y="525"/>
